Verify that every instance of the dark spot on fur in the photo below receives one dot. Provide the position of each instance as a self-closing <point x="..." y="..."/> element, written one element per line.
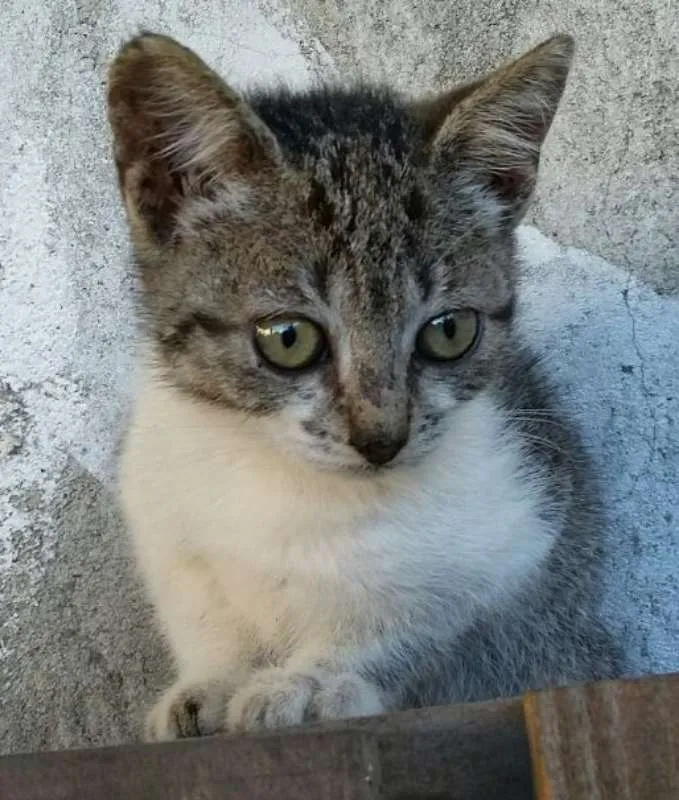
<point x="351" y="225"/>
<point x="429" y="421"/>
<point x="505" y="313"/>
<point x="314" y="428"/>
<point x="307" y="395"/>
<point x="319" y="206"/>
<point x="193" y="709"/>
<point x="414" y="205"/>
<point x="337" y="246"/>
<point x="337" y="171"/>
<point x="410" y="243"/>
<point x="387" y="172"/>
<point x="212" y="325"/>
<point x="177" y="338"/>
<point x="376" y="242"/>
<point x="320" y="270"/>
<point x="180" y="334"/>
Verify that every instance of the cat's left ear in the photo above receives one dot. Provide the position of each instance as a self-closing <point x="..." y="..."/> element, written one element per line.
<point x="485" y="138"/>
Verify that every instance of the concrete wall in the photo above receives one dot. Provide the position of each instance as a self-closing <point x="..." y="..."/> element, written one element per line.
<point x="79" y="657"/>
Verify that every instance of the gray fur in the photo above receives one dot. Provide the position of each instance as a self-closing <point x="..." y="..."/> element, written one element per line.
<point x="551" y="633"/>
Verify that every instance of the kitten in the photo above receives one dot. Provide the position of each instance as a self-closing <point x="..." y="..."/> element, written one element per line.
<point x="348" y="487"/>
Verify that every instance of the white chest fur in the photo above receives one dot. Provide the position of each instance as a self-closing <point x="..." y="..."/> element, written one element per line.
<point x="291" y="550"/>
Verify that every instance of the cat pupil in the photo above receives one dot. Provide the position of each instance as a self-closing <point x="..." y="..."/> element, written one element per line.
<point x="289" y="336"/>
<point x="449" y="327"/>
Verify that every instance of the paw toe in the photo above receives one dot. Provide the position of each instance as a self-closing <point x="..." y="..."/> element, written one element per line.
<point x="347" y="696"/>
<point x="187" y="711"/>
<point x="273" y="701"/>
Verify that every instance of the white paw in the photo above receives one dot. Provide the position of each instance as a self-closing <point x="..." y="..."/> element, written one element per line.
<point x="189" y="709"/>
<point x="277" y="698"/>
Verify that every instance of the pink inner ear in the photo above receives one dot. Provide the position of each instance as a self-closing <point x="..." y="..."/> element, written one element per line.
<point x="433" y="113"/>
<point x="173" y="146"/>
<point x="495" y="127"/>
<point x="156" y="194"/>
<point x="515" y="184"/>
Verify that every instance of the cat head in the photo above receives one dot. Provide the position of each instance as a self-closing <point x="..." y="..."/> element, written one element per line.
<point x="338" y="263"/>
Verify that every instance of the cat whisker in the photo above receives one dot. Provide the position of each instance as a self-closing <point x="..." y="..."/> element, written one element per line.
<point x="542" y="420"/>
<point x="546" y="443"/>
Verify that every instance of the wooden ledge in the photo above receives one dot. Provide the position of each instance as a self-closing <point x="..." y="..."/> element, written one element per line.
<point x="617" y="740"/>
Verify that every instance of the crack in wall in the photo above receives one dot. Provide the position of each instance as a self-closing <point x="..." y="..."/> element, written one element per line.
<point x="648" y="395"/>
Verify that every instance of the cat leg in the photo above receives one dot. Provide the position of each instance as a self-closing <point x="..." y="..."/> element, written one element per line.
<point x="214" y="655"/>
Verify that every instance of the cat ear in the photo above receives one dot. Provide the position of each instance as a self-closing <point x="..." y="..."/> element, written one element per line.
<point x="185" y="144"/>
<point x="486" y="136"/>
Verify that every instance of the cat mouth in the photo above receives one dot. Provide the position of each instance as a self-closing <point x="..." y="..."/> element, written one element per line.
<point x="368" y="469"/>
<point x="362" y="468"/>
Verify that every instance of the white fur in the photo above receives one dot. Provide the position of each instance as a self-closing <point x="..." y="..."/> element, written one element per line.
<point x="242" y="547"/>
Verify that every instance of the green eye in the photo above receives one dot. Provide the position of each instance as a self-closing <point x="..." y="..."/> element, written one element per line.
<point x="290" y="343"/>
<point x="449" y="336"/>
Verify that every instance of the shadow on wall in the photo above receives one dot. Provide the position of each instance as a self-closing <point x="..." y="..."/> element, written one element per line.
<point x="86" y="657"/>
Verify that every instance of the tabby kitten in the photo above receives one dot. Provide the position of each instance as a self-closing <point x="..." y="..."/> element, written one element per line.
<point x="348" y="488"/>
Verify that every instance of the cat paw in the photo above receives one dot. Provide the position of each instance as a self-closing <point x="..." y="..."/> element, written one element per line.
<point x="186" y="710"/>
<point x="277" y="698"/>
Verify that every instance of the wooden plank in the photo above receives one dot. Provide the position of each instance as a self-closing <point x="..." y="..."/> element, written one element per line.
<point x="607" y="741"/>
<point x="466" y="752"/>
<point x="476" y="751"/>
<point x="615" y="740"/>
<point x="295" y="766"/>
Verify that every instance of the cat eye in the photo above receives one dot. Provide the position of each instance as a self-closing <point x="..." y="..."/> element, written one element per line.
<point x="449" y="336"/>
<point x="290" y="343"/>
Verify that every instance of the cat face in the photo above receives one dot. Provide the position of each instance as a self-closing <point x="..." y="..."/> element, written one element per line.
<point x="338" y="264"/>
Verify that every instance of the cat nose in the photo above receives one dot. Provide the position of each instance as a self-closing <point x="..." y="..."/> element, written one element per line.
<point x="375" y="448"/>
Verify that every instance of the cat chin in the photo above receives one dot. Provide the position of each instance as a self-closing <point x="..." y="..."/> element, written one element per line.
<point x="345" y="466"/>
<point x="346" y="463"/>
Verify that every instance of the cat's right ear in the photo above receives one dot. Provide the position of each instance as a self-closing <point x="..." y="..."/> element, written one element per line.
<point x="186" y="146"/>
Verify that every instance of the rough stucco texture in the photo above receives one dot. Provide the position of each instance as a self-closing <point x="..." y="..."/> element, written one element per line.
<point x="79" y="657"/>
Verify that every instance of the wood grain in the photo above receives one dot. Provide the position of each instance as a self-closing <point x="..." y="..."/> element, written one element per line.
<point x="466" y="752"/>
<point x="296" y="766"/>
<point x="615" y="740"/>
<point x="473" y="751"/>
<point x="606" y="741"/>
